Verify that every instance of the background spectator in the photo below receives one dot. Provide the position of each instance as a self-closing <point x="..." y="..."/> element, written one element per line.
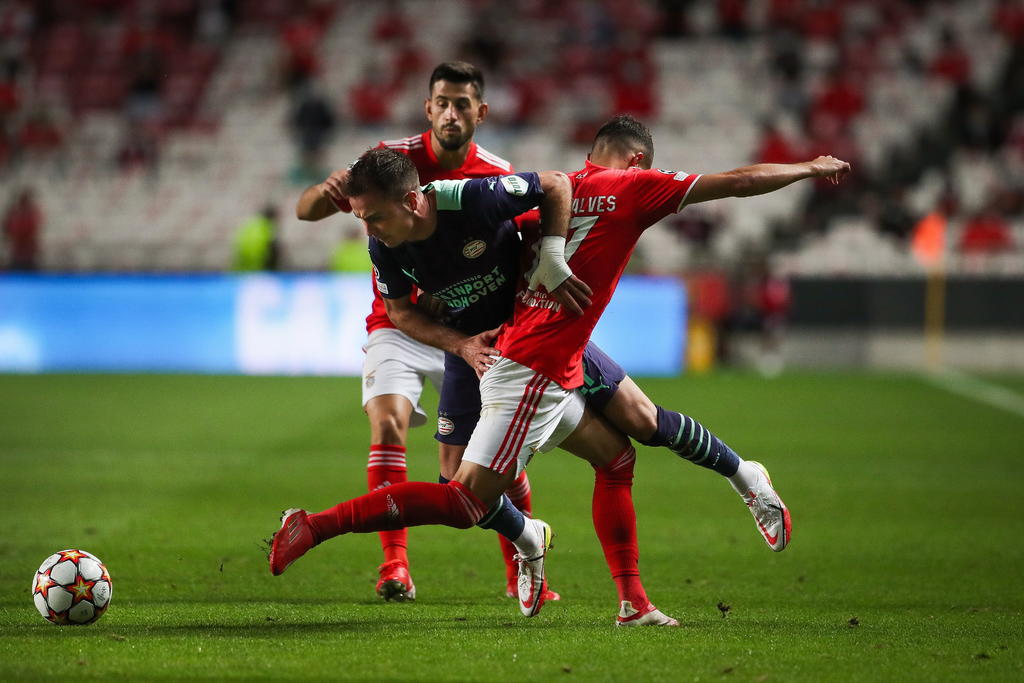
<point x="312" y="123"/>
<point x="22" y="224"/>
<point x="257" y="245"/>
<point x="352" y="254"/>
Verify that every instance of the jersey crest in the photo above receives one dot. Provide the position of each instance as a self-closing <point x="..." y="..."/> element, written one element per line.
<point x="474" y="249"/>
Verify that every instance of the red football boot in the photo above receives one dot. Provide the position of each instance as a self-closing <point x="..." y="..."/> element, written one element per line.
<point x="291" y="541"/>
<point x="395" y="582"/>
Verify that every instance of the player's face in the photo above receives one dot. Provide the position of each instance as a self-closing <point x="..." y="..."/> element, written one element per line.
<point x="388" y="220"/>
<point x="454" y="111"/>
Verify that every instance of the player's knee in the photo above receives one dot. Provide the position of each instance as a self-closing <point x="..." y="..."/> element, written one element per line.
<point x="619" y="468"/>
<point x="390" y="428"/>
<point x="646" y="421"/>
<point x="465" y="507"/>
<point x="644" y="418"/>
<point x="632" y="412"/>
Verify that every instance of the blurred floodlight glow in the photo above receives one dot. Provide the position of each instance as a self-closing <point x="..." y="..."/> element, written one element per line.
<point x="19" y="350"/>
<point x="312" y="325"/>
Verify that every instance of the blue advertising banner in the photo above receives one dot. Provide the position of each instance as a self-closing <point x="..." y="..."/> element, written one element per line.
<point x="293" y="324"/>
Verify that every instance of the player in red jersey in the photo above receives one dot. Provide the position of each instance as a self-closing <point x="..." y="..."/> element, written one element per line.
<point x="529" y="404"/>
<point x="396" y="366"/>
<point x="617" y="196"/>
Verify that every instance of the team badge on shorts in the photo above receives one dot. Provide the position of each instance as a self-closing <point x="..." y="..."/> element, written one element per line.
<point x="445" y="426"/>
<point x="370" y="379"/>
<point x="474" y="249"/>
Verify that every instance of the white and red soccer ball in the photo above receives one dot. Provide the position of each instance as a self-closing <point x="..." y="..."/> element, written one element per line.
<point x="72" y="587"/>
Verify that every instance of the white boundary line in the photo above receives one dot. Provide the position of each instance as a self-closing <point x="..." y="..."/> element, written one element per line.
<point x="978" y="390"/>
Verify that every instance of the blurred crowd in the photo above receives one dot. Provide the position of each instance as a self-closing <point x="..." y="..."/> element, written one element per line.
<point x="150" y="61"/>
<point x="826" y="68"/>
<point x="974" y="143"/>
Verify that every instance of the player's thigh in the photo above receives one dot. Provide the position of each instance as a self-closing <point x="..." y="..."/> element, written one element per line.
<point x="398" y="365"/>
<point x="458" y="406"/>
<point x="521" y="414"/>
<point x="601" y="377"/>
<point x="631" y="411"/>
<point x="611" y="393"/>
<point x="595" y="440"/>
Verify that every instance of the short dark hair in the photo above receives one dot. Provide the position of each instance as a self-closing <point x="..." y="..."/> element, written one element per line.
<point x="458" y="72"/>
<point x="626" y="132"/>
<point x="382" y="170"/>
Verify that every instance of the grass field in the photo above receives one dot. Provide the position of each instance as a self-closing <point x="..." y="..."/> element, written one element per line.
<point x="906" y="562"/>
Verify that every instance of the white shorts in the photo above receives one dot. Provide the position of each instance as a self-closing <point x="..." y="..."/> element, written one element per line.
<point x="398" y="364"/>
<point x="522" y="413"/>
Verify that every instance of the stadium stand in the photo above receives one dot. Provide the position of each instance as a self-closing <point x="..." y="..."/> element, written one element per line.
<point x="149" y="128"/>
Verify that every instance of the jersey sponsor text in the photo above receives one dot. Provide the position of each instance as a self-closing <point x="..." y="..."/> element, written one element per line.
<point x="471" y="290"/>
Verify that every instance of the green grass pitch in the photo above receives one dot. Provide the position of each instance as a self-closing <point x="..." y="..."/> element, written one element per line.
<point x="906" y="562"/>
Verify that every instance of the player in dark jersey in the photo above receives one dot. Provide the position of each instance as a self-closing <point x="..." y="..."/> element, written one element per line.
<point x="396" y="366"/>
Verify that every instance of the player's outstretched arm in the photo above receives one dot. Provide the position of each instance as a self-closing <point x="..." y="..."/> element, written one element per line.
<point x="323" y="199"/>
<point x="763" y="178"/>
<point x="552" y="270"/>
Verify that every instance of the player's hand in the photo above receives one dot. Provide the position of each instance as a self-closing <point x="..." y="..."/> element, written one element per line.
<point x="830" y="168"/>
<point x="573" y="294"/>
<point x="478" y="352"/>
<point x="331" y="188"/>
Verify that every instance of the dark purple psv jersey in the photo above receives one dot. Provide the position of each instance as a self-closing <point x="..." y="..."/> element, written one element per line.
<point x="471" y="260"/>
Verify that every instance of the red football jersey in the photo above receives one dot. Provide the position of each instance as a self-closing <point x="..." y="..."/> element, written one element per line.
<point x="610" y="210"/>
<point x="479" y="164"/>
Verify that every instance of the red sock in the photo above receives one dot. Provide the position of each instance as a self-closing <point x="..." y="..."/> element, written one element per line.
<point x="412" y="503"/>
<point x="615" y="523"/>
<point x="386" y="467"/>
<point x="519" y="494"/>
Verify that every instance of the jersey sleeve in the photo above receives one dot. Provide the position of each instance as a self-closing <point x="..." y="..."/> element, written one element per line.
<point x="660" y="193"/>
<point x="528" y="222"/>
<point x="388" y="277"/>
<point x="499" y="198"/>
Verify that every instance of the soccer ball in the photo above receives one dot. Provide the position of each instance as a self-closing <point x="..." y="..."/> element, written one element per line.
<point x="72" y="587"/>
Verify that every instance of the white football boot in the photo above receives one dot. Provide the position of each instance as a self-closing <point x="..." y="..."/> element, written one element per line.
<point x="652" y="617"/>
<point x="770" y="513"/>
<point x="533" y="587"/>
